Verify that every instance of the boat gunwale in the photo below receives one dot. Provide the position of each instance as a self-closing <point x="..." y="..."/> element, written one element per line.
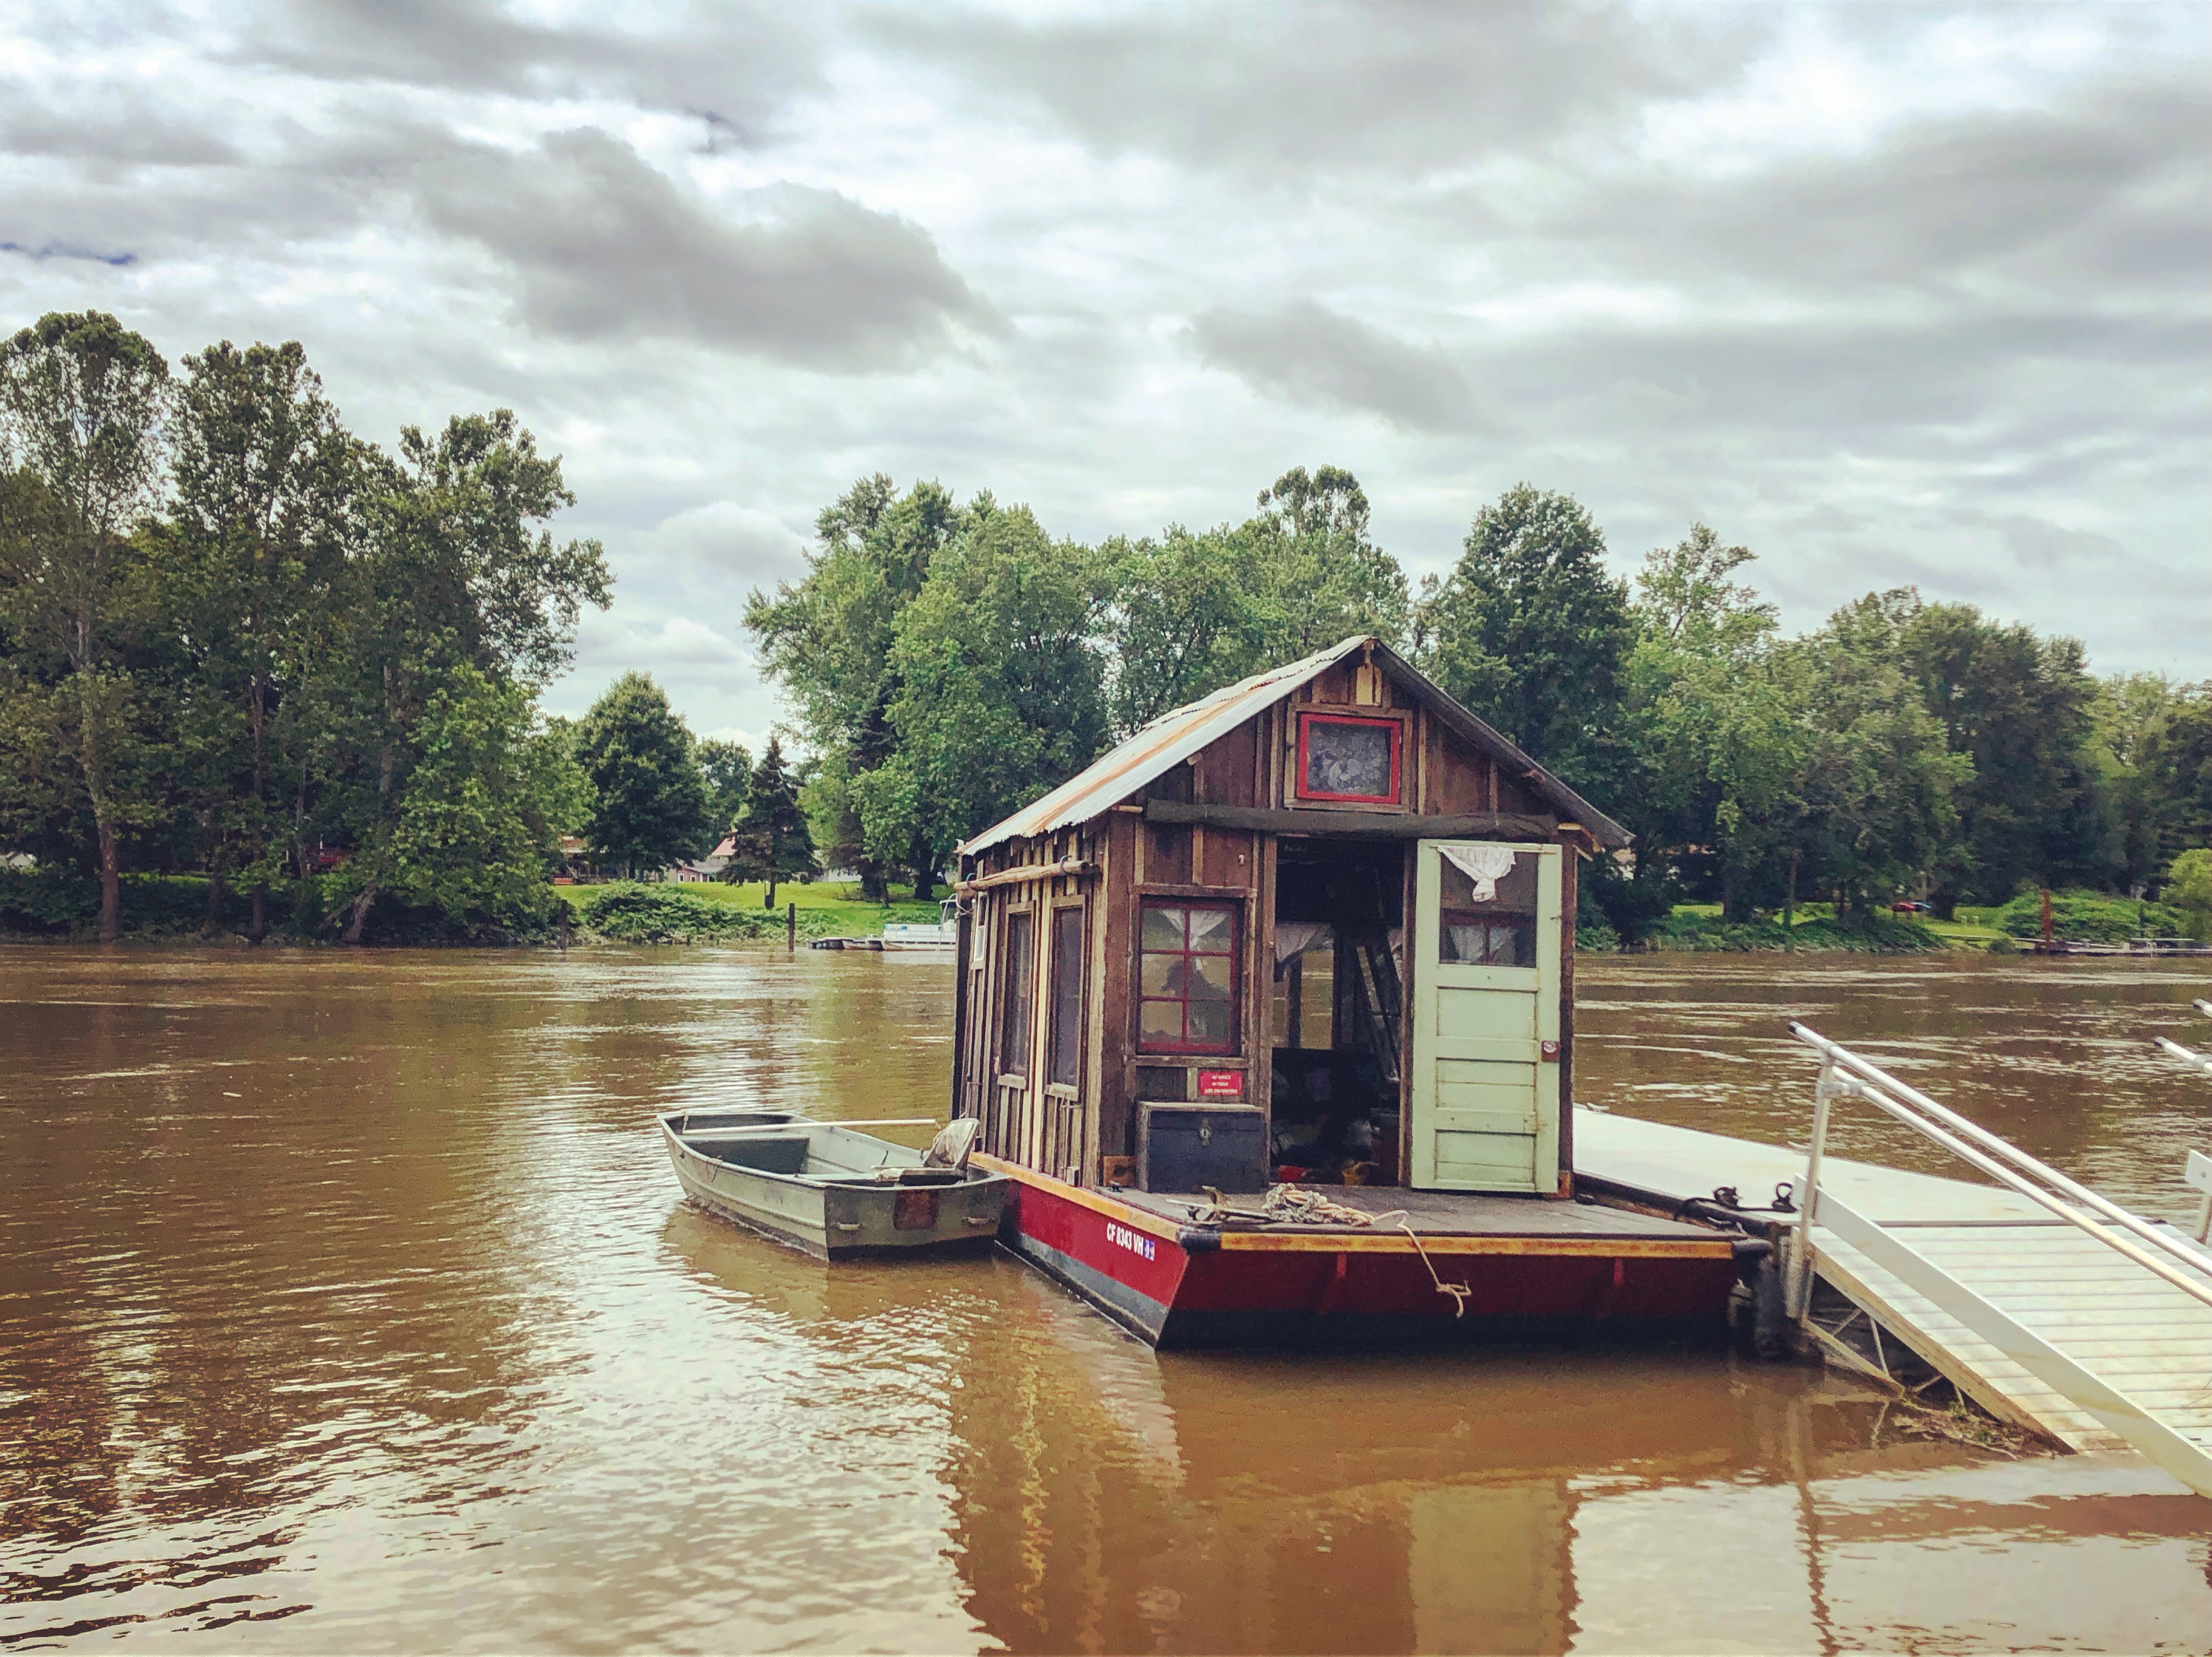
<point x="969" y="1180"/>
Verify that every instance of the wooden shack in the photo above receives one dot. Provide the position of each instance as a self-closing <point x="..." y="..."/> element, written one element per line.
<point x="1316" y="927"/>
<point x="1216" y="911"/>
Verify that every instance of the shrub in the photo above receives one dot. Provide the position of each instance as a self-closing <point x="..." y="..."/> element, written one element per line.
<point x="2083" y="917"/>
<point x="2188" y="892"/>
<point x="628" y="912"/>
<point x="1860" y="934"/>
<point x="1595" y="938"/>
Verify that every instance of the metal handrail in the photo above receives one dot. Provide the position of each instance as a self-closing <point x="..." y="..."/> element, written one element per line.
<point x="1953" y="1132"/>
<point x="2188" y="1056"/>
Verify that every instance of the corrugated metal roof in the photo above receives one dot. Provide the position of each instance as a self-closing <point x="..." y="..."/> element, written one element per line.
<point x="1166" y="742"/>
<point x="1176" y="735"/>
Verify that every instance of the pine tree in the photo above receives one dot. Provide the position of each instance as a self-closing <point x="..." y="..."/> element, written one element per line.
<point x="771" y="842"/>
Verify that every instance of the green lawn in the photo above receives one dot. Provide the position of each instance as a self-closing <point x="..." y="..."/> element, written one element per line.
<point x="841" y="902"/>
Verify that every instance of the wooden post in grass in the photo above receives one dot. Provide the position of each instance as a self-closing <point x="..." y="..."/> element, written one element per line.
<point x="791" y="926"/>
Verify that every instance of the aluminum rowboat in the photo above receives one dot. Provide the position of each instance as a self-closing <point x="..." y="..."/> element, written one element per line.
<point x="833" y="1191"/>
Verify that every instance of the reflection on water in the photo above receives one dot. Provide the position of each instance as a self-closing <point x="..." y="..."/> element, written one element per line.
<point x="348" y="1302"/>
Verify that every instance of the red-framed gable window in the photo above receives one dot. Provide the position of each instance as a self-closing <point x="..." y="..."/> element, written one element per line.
<point x="1347" y="756"/>
<point x="1187" y="977"/>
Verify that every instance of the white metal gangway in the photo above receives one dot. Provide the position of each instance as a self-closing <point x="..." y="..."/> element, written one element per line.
<point x="2046" y="1300"/>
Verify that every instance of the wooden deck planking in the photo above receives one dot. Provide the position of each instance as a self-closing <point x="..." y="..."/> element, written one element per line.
<point x="2142" y="1336"/>
<point x="1457" y="1214"/>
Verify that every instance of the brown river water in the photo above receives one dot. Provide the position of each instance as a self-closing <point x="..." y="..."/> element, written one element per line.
<point x="347" y="1302"/>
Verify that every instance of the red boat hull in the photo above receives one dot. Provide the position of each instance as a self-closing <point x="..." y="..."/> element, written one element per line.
<point x="1182" y="1286"/>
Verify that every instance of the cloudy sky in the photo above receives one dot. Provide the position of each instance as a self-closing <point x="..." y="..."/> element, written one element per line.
<point x="1892" y="294"/>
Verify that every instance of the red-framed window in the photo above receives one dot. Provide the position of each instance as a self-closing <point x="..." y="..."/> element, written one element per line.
<point x="1187" y="977"/>
<point x="1345" y="757"/>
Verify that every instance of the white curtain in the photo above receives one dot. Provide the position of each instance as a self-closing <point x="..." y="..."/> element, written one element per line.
<point x="1296" y="937"/>
<point x="1486" y="865"/>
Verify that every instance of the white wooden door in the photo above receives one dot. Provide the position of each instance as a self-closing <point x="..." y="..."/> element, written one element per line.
<point x="1486" y="970"/>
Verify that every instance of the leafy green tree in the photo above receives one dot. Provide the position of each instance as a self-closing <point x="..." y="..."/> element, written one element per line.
<point x="1195" y="610"/>
<point x="1001" y="686"/>
<point x="2188" y="889"/>
<point x="1187" y="616"/>
<point x="2021" y="707"/>
<point x="83" y="402"/>
<point x="728" y="771"/>
<point x="549" y="755"/>
<point x="1711" y="715"/>
<point x="770" y="842"/>
<point x="265" y="484"/>
<point x="2177" y="769"/>
<point x="649" y="800"/>
<point x="475" y="834"/>
<point x="1322" y="577"/>
<point x="454" y="568"/>
<point x="825" y="641"/>
<point x="1880" y="785"/>
<point x="1532" y="633"/>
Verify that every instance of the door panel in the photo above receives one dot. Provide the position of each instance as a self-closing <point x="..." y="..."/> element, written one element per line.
<point x="1484" y="1102"/>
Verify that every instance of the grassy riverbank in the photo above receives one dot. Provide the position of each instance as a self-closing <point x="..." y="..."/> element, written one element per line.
<point x="61" y="907"/>
<point x="710" y="912"/>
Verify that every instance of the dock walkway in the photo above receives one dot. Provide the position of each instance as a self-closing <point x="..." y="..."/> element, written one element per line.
<point x="2142" y="1338"/>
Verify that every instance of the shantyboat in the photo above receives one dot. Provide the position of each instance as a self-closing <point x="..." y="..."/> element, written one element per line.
<point x="1313" y="934"/>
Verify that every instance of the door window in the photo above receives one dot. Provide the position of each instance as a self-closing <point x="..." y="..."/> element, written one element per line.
<point x="1488" y="913"/>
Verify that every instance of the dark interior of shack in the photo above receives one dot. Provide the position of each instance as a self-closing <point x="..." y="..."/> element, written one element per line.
<point x="1339" y="977"/>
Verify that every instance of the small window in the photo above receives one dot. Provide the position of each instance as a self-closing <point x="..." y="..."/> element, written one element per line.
<point x="1342" y="758"/>
<point x="1020" y="992"/>
<point x="1491" y="941"/>
<point x="1186" y="978"/>
<point x="1067" y="1032"/>
<point x="1488" y="907"/>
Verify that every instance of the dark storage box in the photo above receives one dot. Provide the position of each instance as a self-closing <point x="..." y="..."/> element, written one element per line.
<point x="1189" y="1147"/>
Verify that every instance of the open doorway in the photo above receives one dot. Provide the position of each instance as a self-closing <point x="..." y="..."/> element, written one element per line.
<point x="1339" y="1000"/>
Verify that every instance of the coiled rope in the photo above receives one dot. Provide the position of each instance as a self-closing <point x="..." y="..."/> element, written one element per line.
<point x="1293" y="1204"/>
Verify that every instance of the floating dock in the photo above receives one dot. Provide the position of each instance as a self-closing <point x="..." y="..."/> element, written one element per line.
<point x="2136" y="1350"/>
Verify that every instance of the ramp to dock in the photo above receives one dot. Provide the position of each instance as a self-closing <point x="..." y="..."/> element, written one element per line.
<point x="1960" y="1272"/>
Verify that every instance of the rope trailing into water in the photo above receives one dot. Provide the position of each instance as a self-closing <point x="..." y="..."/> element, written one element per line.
<point x="1292" y="1205"/>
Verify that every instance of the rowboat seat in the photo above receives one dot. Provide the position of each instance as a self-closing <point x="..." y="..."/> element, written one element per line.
<point x="770" y="1154"/>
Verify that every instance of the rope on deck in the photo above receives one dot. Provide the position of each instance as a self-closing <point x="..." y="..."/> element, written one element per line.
<point x="1293" y="1204"/>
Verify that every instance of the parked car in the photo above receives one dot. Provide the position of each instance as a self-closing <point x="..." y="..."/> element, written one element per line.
<point x="1912" y="907"/>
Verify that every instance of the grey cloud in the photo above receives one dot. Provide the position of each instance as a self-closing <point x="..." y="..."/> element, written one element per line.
<point x="602" y="246"/>
<point x="108" y="135"/>
<point x="738" y="64"/>
<point x="2100" y="195"/>
<point x="2037" y="543"/>
<point x="1310" y="353"/>
<point x="1328" y="85"/>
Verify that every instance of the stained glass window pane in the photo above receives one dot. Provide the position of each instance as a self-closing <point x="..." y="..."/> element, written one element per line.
<point x="1209" y="1023"/>
<point x="1210" y="929"/>
<point x="1163" y="928"/>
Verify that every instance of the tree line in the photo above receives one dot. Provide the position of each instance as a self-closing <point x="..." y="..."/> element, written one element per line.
<point x="238" y="641"/>
<point x="945" y="661"/>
